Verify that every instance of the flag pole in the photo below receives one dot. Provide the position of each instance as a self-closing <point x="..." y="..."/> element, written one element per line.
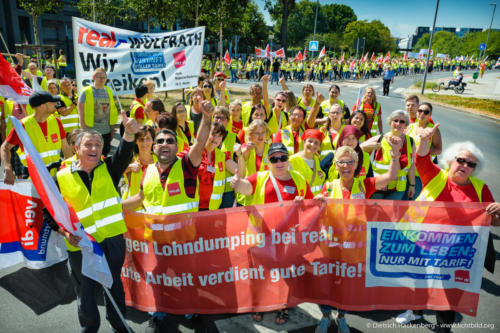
<point x="6" y="47"/>
<point x="117" y="98"/>
<point x="117" y="310"/>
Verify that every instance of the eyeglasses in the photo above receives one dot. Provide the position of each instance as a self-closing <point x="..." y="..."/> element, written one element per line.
<point x="100" y="76"/>
<point x="281" y="100"/>
<point x="426" y="112"/>
<point x="219" y="79"/>
<point x="274" y="159"/>
<point x="470" y="164"/>
<point x="399" y="121"/>
<point x="168" y="141"/>
<point x="345" y="163"/>
<point x="207" y="86"/>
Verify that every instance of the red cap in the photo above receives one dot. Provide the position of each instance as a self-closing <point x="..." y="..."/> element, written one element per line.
<point x="313" y="133"/>
<point x="220" y="74"/>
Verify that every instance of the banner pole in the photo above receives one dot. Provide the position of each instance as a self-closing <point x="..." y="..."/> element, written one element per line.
<point x="117" y="309"/>
<point x="6" y="47"/>
<point x="117" y="98"/>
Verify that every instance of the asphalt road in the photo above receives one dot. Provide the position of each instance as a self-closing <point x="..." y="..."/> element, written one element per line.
<point x="43" y="298"/>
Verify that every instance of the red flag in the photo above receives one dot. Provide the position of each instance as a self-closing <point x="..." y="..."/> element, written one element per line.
<point x="268" y="51"/>
<point x="342" y="57"/>
<point x="227" y="58"/>
<point x="259" y="52"/>
<point x="351" y="67"/>
<point x="280" y="53"/>
<point x="373" y="56"/>
<point x="405" y="57"/>
<point x="322" y="53"/>
<point x="379" y="60"/>
<point x="11" y="84"/>
<point x="305" y="53"/>
<point x="388" y="57"/>
<point x="365" y="58"/>
<point x="299" y="56"/>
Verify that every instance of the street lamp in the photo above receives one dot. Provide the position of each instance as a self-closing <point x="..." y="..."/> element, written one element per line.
<point x="489" y="30"/>
<point x="315" y="21"/>
<point x="430" y="47"/>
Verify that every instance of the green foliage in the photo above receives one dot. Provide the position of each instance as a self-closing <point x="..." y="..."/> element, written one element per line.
<point x="252" y="28"/>
<point x="378" y="36"/>
<point x="106" y="11"/>
<point x="448" y="43"/>
<point x="428" y="85"/>
<point x="37" y="8"/>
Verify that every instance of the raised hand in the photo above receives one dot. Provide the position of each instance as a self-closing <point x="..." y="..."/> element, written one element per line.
<point x="130" y="124"/>
<point x="428" y="133"/>
<point x="236" y="180"/>
<point x="395" y="142"/>
<point x="266" y="78"/>
<point x="207" y="109"/>
<point x="319" y="98"/>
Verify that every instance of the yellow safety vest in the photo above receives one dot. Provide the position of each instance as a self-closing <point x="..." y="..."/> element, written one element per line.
<point x="263" y="177"/>
<point x="172" y="199"/>
<point x="61" y="62"/>
<point x="334" y="189"/>
<point x="315" y="178"/>
<point x="274" y="125"/>
<point x="436" y="185"/>
<point x="70" y="121"/>
<point x="328" y="145"/>
<point x="134" y="107"/>
<point x="89" y="107"/>
<point x="48" y="147"/>
<point x="300" y="102"/>
<point x="250" y="163"/>
<point x="100" y="212"/>
<point x="246" y="109"/>
<point x="381" y="167"/>
<point x="219" y="180"/>
<point x="182" y="139"/>
<point x="412" y="131"/>
<point x="326" y="105"/>
<point x="134" y="186"/>
<point x="8" y="106"/>
<point x="228" y="145"/>
<point x="288" y="140"/>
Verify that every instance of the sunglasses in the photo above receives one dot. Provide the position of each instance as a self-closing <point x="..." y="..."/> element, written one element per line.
<point x="168" y="141"/>
<point x="206" y="86"/>
<point x="470" y="164"/>
<point x="400" y="121"/>
<point x="219" y="79"/>
<point x="274" y="159"/>
<point x="345" y="163"/>
<point x="426" y="112"/>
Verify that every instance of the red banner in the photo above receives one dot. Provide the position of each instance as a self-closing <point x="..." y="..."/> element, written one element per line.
<point x="358" y="255"/>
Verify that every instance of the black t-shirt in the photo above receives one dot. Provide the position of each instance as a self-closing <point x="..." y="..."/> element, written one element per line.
<point x="276" y="66"/>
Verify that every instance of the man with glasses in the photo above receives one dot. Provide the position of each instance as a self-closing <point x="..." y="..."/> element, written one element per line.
<point x="97" y="109"/>
<point x="220" y="89"/>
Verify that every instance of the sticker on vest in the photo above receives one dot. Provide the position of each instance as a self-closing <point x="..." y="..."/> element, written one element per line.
<point x="221" y="166"/>
<point x="358" y="196"/>
<point x="289" y="189"/>
<point x="320" y="174"/>
<point x="173" y="189"/>
<point x="54" y="138"/>
<point x="210" y="169"/>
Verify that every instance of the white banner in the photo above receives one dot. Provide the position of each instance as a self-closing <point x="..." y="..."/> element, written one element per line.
<point x="171" y="59"/>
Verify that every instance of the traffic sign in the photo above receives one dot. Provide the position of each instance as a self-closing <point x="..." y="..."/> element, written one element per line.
<point x="313" y="45"/>
<point x="482" y="47"/>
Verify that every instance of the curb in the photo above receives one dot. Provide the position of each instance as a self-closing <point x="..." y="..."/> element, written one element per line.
<point x="453" y="107"/>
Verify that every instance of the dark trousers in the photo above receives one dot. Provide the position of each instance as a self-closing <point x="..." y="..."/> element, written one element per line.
<point x="85" y="288"/>
<point x="444" y="317"/>
<point x="387" y="84"/>
<point x="106" y="148"/>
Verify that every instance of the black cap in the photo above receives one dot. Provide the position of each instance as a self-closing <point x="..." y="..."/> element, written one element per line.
<point x="140" y="91"/>
<point x="277" y="147"/>
<point x="41" y="97"/>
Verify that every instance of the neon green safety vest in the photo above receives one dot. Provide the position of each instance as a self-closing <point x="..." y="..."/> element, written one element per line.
<point x="100" y="212"/>
<point x="134" y="185"/>
<point x="381" y="167"/>
<point x="315" y="178"/>
<point x="328" y="145"/>
<point x="334" y="189"/>
<point x="8" y="106"/>
<point x="263" y="177"/>
<point x="288" y="140"/>
<point x="228" y="145"/>
<point x="70" y="121"/>
<point x="61" y="62"/>
<point x="48" y="147"/>
<point x="172" y="199"/>
<point x="89" y="107"/>
<point x="326" y="105"/>
<point x="219" y="180"/>
<point x="436" y="185"/>
<point x="134" y="107"/>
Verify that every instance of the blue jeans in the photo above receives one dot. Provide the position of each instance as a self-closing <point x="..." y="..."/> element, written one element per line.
<point x="234" y="78"/>
<point x="326" y="309"/>
<point x="275" y="77"/>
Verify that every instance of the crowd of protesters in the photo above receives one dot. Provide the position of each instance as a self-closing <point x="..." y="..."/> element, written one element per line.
<point x="216" y="152"/>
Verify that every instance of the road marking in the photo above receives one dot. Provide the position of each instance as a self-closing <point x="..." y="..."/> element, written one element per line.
<point x="399" y="90"/>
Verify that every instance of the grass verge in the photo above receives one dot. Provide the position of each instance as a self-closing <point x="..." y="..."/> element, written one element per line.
<point x="428" y="85"/>
<point x="485" y="106"/>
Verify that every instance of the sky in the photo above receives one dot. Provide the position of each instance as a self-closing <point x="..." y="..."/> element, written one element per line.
<point x="403" y="17"/>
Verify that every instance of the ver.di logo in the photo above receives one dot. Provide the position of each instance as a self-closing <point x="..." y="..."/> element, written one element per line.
<point x="179" y="59"/>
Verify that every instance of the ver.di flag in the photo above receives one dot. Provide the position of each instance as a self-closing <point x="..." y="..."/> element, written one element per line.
<point x="11" y="84"/>
<point x="94" y="264"/>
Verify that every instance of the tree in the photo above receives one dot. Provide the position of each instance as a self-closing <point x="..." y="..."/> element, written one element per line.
<point x="282" y="8"/>
<point x="378" y="36"/>
<point x="252" y="27"/>
<point x="37" y="8"/>
<point x="152" y="12"/>
<point x="105" y="11"/>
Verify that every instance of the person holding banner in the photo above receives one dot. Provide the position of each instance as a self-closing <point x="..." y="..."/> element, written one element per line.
<point x="455" y="183"/>
<point x="350" y="186"/>
<point x="97" y="109"/>
<point x="274" y="185"/>
<point x="90" y="180"/>
<point x="46" y="132"/>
